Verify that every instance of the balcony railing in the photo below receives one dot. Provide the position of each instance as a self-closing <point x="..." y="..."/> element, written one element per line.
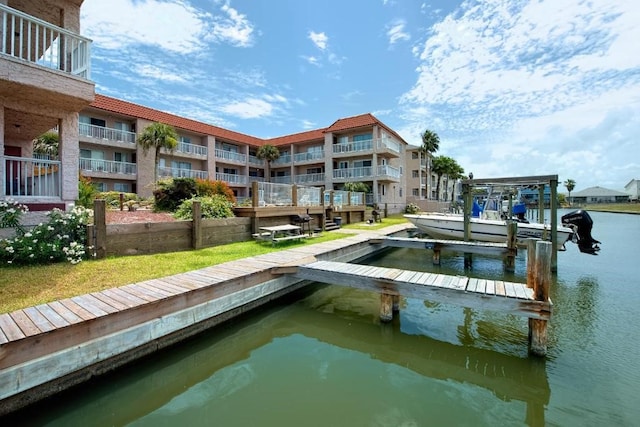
<point x="283" y="159"/>
<point x="256" y="161"/>
<point x="108" y="166"/>
<point x="350" y="173"/>
<point x="354" y="146"/>
<point x="307" y="178"/>
<point x="308" y="156"/>
<point x="39" y="42"/>
<point x="281" y="179"/>
<point x="185" y="147"/>
<point x="389" y="144"/>
<point x="26" y="177"/>
<point x="231" y="178"/>
<point x="181" y="173"/>
<point x="99" y="132"/>
<point x="230" y="155"/>
<point x="390" y="171"/>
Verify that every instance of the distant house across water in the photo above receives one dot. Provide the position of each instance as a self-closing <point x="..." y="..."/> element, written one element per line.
<point x="599" y="195"/>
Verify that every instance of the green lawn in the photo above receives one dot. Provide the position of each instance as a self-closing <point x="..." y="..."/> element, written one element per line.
<point x="22" y="287"/>
<point x="613" y="207"/>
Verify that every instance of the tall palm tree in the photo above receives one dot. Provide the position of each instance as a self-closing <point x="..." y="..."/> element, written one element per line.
<point x="269" y="153"/>
<point x="430" y="144"/>
<point x="570" y="185"/>
<point x="441" y="164"/>
<point x="158" y="136"/>
<point x="455" y="173"/>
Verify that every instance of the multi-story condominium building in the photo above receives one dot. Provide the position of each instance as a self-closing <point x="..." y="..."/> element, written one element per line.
<point x="44" y="83"/>
<point x="422" y="183"/>
<point x="353" y="149"/>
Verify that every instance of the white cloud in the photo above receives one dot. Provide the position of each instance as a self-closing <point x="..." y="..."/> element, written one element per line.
<point x="396" y="32"/>
<point x="319" y="39"/>
<point x="248" y="109"/>
<point x="146" y="70"/>
<point x="524" y="88"/>
<point x="234" y="28"/>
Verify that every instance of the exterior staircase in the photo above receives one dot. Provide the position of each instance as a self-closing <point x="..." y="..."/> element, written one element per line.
<point x="330" y="225"/>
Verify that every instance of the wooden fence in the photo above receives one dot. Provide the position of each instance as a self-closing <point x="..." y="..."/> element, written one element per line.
<point x="159" y="237"/>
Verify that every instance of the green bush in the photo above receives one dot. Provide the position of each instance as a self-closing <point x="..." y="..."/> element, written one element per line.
<point x="172" y="192"/>
<point x="87" y="192"/>
<point x="11" y="213"/>
<point x="62" y="238"/>
<point x="112" y="198"/>
<point x="216" y="206"/>
<point x="412" y="208"/>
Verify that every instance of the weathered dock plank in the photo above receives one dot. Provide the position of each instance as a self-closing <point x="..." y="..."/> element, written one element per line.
<point x="24" y="323"/>
<point x="9" y="328"/>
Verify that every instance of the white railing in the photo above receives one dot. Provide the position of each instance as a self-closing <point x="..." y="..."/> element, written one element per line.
<point x="349" y="173"/>
<point x="283" y="159"/>
<point x="309" y="177"/>
<point x="185" y="147"/>
<point x="354" y="146"/>
<point x="27" y="177"/>
<point x="308" y="156"/>
<point x="39" y="42"/>
<point x="390" y="171"/>
<point x="231" y="178"/>
<point x="108" y="166"/>
<point x="181" y="173"/>
<point x="389" y="144"/>
<point x="230" y="155"/>
<point x="255" y="161"/>
<point x="281" y="179"/>
<point x="99" y="132"/>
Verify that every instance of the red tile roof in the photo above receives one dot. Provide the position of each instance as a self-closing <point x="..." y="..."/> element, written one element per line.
<point x="118" y="106"/>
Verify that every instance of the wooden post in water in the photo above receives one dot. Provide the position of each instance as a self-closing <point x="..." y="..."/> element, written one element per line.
<point x="386" y="307"/>
<point x="468" y="202"/>
<point x="396" y="303"/>
<point x="541" y="285"/>
<point x="531" y="262"/>
<point x="512" y="246"/>
<point x="196" y="229"/>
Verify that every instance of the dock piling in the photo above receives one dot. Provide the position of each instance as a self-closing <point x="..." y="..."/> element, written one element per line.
<point x="541" y="285"/>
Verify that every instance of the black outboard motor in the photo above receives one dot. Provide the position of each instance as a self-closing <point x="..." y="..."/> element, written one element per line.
<point x="581" y="223"/>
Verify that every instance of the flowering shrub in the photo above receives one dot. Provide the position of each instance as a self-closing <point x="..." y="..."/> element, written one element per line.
<point x="11" y="213"/>
<point x="62" y="238"/>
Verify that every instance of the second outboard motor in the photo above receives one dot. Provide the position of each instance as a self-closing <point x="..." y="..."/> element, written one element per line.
<point x="581" y="223"/>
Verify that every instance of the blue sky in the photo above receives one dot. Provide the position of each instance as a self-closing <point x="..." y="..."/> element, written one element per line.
<point x="512" y="88"/>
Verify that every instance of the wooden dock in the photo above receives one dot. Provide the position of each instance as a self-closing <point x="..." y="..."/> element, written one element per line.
<point x="506" y="297"/>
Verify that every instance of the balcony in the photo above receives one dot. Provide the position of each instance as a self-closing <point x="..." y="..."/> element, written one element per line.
<point x="108" y="167"/>
<point x="284" y="159"/>
<point x="230" y="156"/>
<point x="191" y="150"/>
<point x="388" y="173"/>
<point x="309" y="178"/>
<point x="281" y="179"/>
<point x="312" y="156"/>
<point x="108" y="136"/>
<point x="256" y="161"/>
<point x="181" y="173"/>
<point x="32" y="178"/>
<point x="353" y="173"/>
<point x="43" y="64"/>
<point x="353" y="147"/>
<point x="388" y="145"/>
<point x="232" y="179"/>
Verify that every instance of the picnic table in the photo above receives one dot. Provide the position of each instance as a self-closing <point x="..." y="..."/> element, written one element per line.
<point x="279" y="233"/>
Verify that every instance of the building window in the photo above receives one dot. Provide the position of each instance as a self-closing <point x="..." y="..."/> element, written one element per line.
<point x="120" y="157"/>
<point x="121" y="187"/>
<point x="185" y="139"/>
<point x="414" y="155"/>
<point x="363" y="137"/>
<point x="415" y="192"/>
<point x="414" y="174"/>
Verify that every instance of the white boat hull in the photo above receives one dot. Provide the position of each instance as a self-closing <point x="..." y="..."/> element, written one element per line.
<point x="443" y="226"/>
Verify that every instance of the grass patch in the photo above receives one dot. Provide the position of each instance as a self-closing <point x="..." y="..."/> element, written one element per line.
<point x="613" y="207"/>
<point x="386" y="222"/>
<point x="22" y="287"/>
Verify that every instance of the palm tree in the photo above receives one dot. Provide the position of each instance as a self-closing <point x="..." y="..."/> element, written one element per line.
<point x="158" y="136"/>
<point x="455" y="173"/>
<point x="430" y="144"/>
<point x="570" y="185"/>
<point x="440" y="167"/>
<point x="47" y="144"/>
<point x="269" y="153"/>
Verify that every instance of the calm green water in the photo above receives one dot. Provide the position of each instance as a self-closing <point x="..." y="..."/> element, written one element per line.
<point x="321" y="358"/>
